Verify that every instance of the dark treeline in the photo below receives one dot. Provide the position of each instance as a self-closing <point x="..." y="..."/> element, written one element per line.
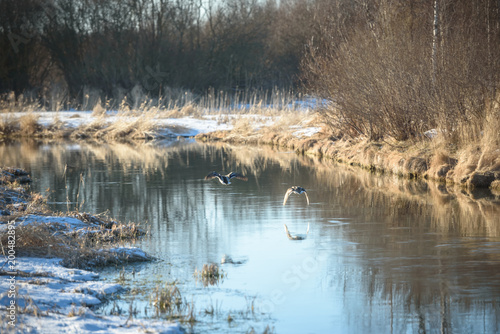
<point x="113" y="46"/>
<point x="389" y="67"/>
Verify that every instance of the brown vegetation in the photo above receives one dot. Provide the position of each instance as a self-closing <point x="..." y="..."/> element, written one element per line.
<point x="405" y="69"/>
<point x="391" y="76"/>
<point x="467" y="167"/>
<point x="142" y="126"/>
<point x="210" y="274"/>
<point x="169" y="302"/>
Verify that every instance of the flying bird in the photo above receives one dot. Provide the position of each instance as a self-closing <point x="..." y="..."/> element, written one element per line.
<point x="224" y="179"/>
<point x="296" y="236"/>
<point x="296" y="190"/>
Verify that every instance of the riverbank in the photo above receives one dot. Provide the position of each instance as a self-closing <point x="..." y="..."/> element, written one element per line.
<point x="48" y="263"/>
<point x="476" y="166"/>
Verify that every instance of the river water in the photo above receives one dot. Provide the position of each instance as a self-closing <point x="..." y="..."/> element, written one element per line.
<point x="382" y="255"/>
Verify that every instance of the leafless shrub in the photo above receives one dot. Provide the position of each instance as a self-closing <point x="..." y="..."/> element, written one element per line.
<point x="382" y="80"/>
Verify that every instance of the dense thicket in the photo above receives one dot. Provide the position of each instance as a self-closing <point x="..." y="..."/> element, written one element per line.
<point x="112" y="46"/>
<point x="398" y="68"/>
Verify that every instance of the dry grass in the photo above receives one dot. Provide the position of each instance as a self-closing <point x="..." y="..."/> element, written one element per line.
<point x="125" y="127"/>
<point x="495" y="187"/>
<point x="15" y="200"/>
<point x="189" y="109"/>
<point x="210" y="274"/>
<point x="139" y="121"/>
<point x="10" y="103"/>
<point x="243" y="126"/>
<point x="168" y="299"/>
<point x="38" y="240"/>
<point x="169" y="302"/>
<point x="145" y="110"/>
<point x="76" y="312"/>
<point x="98" y="110"/>
<point x="440" y="164"/>
<point x="382" y="84"/>
<point x="142" y="127"/>
<point x="287" y="120"/>
<point x="84" y="249"/>
<point x="28" y="124"/>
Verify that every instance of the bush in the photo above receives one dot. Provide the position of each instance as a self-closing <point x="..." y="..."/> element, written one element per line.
<point x="391" y="76"/>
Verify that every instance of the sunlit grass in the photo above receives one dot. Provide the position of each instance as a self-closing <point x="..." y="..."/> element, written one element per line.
<point x="169" y="303"/>
<point x="137" y="117"/>
<point x="210" y="274"/>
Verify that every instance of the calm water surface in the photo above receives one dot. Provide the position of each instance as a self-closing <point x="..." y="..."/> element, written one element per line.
<point x="382" y="255"/>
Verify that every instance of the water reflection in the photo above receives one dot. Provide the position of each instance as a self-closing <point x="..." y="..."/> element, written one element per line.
<point x="382" y="254"/>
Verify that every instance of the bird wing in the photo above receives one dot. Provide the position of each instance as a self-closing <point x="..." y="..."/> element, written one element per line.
<point x="212" y="175"/>
<point x="307" y="197"/>
<point x="237" y="175"/>
<point x="288" y="192"/>
<point x="287" y="233"/>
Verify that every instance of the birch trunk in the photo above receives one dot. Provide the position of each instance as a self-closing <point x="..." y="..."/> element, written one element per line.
<point x="435" y="35"/>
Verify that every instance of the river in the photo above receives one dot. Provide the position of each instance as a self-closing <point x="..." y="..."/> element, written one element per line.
<point x="382" y="254"/>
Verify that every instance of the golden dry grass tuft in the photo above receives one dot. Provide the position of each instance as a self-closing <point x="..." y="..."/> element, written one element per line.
<point x="495" y="187"/>
<point x="37" y="240"/>
<point x="242" y="126"/>
<point x="189" y="109"/>
<point x="168" y="302"/>
<point x="440" y="164"/>
<point x="210" y="274"/>
<point x="168" y="299"/>
<point x="142" y="127"/>
<point x="98" y="110"/>
<point x="87" y="249"/>
<point x="29" y="125"/>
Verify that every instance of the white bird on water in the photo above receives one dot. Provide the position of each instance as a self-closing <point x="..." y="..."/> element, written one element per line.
<point x="296" y="236"/>
<point x="296" y="190"/>
<point x="224" y="179"/>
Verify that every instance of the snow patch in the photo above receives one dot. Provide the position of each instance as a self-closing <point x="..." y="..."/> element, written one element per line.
<point x="67" y="223"/>
<point x="307" y="132"/>
<point x="62" y="296"/>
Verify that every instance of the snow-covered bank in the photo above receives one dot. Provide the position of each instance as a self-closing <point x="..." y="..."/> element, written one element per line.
<point x="49" y="298"/>
<point x="158" y="126"/>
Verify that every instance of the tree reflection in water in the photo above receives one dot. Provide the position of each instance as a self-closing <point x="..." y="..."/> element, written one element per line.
<point x="384" y="254"/>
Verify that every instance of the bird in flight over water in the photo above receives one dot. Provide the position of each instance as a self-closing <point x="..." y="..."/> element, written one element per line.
<point x="224" y="179"/>
<point x="296" y="190"/>
<point x="296" y="236"/>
